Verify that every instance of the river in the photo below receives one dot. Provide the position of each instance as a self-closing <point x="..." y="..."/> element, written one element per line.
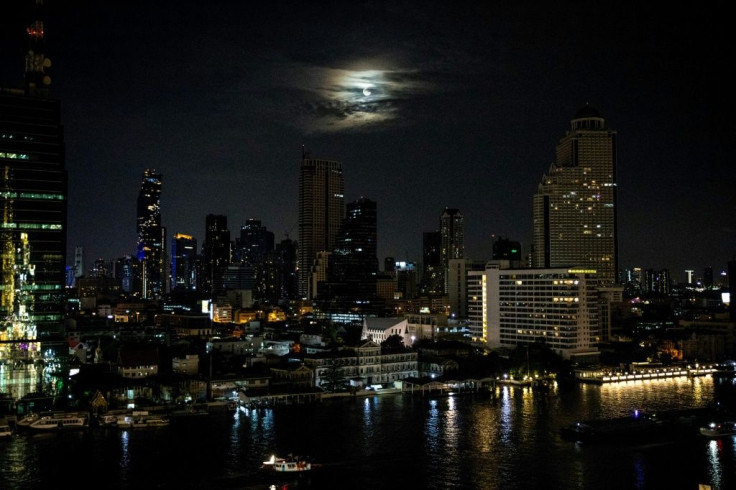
<point x="509" y="439"/>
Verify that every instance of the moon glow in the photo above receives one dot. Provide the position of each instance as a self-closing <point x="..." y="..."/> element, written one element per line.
<point x="366" y="92"/>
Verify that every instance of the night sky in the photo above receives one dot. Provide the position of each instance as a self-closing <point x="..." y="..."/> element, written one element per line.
<point x="466" y="104"/>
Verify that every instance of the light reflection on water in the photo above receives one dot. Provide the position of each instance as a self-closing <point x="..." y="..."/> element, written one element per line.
<point x="509" y="441"/>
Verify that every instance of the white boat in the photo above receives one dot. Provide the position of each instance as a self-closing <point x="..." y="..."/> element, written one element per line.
<point x="141" y="420"/>
<point x="719" y="429"/>
<point x="63" y="421"/>
<point x="5" y="430"/>
<point x="107" y="420"/>
<point x="290" y="464"/>
<point x="23" y="423"/>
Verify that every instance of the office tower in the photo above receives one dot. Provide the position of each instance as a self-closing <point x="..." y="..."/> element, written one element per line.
<point x="321" y="212"/>
<point x="128" y="272"/>
<point x="184" y="262"/>
<point x="557" y="306"/>
<point x="432" y="276"/>
<point x="406" y="278"/>
<point x="389" y="266"/>
<point x="78" y="262"/>
<point x="656" y="282"/>
<point x="575" y="203"/>
<point x="452" y="240"/>
<point x="287" y="250"/>
<point x="708" y="277"/>
<point x="353" y="264"/>
<point x="255" y="241"/>
<point x="151" y="236"/>
<point x="505" y="249"/>
<point x="689" y="276"/>
<point x="457" y="277"/>
<point x="215" y="252"/>
<point x="33" y="197"/>
<point x="731" y="276"/>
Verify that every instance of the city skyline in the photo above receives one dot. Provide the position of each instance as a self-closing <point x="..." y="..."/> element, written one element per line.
<point x="425" y="108"/>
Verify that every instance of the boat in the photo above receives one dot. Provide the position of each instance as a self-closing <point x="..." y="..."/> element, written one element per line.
<point x="62" y="421"/>
<point x="141" y="420"/>
<point x="719" y="429"/>
<point x="107" y="420"/>
<point x="23" y="423"/>
<point x="5" y="430"/>
<point x="290" y="464"/>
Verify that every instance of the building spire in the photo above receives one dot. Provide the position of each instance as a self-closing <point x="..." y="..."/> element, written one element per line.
<point x="37" y="82"/>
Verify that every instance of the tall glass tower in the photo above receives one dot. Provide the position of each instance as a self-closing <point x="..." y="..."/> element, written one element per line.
<point x="33" y="201"/>
<point x="575" y="204"/>
<point x="321" y="212"/>
<point x="151" y="236"/>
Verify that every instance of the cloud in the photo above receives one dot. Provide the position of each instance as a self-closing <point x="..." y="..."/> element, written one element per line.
<point x="328" y="99"/>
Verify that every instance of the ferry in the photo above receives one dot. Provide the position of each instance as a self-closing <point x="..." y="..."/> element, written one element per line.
<point x="62" y="421"/>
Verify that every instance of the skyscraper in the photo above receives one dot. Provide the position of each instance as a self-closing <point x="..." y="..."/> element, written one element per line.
<point x="452" y="240"/>
<point x="33" y="198"/>
<point x="151" y="236"/>
<point x="575" y="204"/>
<point x="184" y="262"/>
<point x="432" y="277"/>
<point x="353" y="264"/>
<point x="215" y="252"/>
<point x="321" y="212"/>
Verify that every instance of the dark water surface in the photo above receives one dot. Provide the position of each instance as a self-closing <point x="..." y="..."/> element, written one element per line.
<point x="510" y="440"/>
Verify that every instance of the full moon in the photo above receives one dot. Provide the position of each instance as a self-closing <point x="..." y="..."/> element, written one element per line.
<point x="366" y="92"/>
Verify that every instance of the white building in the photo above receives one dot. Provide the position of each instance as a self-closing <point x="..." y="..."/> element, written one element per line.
<point x="379" y="329"/>
<point x="521" y="306"/>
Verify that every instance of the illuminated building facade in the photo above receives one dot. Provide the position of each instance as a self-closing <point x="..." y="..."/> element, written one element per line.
<point x="33" y="199"/>
<point x="151" y="236"/>
<point x="321" y="213"/>
<point x="557" y="306"/>
<point x="575" y="204"/>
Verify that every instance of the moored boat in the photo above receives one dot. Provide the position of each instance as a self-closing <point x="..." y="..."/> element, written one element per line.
<point x="5" y="430"/>
<point x="61" y="421"/>
<point x="141" y="420"/>
<point x="719" y="429"/>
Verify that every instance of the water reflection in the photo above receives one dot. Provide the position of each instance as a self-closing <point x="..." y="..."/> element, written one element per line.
<point x="715" y="449"/>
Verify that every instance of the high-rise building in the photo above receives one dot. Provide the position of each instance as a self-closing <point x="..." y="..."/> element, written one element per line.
<point x="505" y="249"/>
<point x="215" y="252"/>
<point x="151" y="236"/>
<point x="432" y="276"/>
<point x="452" y="241"/>
<point x="184" y="262"/>
<point x="78" y="262"/>
<point x="558" y="306"/>
<point x="33" y="197"/>
<point x="255" y="241"/>
<point x="457" y="284"/>
<point x="128" y="272"/>
<point x="321" y="212"/>
<point x="353" y="264"/>
<point x="575" y="204"/>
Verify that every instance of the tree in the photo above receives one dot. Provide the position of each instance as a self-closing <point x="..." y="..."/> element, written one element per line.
<point x="393" y="343"/>
<point x="334" y="379"/>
